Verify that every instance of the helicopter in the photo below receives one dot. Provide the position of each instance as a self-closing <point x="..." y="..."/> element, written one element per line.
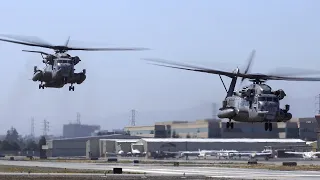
<point x="255" y="103"/>
<point x="59" y="67"/>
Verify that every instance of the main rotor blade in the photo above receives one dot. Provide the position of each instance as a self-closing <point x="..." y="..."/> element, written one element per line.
<point x="34" y="41"/>
<point x="41" y="52"/>
<point x="289" y="71"/>
<point x="250" y="61"/>
<point x="251" y="57"/>
<point x="26" y="43"/>
<point x="190" y="67"/>
<point x="105" y="49"/>
<point x="28" y="39"/>
<point x="229" y="74"/>
<point x="295" y="78"/>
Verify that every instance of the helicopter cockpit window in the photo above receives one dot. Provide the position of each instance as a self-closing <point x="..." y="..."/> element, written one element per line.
<point x="262" y="99"/>
<point x="63" y="61"/>
<point x="265" y="88"/>
<point x="269" y="98"/>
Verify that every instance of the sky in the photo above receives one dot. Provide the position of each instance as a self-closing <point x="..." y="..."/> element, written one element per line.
<point x="219" y="34"/>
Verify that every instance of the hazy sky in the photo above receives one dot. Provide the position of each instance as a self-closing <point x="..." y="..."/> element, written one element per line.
<point x="284" y="33"/>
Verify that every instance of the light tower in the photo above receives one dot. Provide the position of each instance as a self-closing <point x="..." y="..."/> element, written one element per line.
<point x="317" y="116"/>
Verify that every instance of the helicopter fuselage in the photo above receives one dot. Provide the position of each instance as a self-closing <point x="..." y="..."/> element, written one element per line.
<point x="256" y="103"/>
<point x="58" y="72"/>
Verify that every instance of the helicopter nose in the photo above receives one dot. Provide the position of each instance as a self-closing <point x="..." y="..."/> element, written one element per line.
<point x="64" y="69"/>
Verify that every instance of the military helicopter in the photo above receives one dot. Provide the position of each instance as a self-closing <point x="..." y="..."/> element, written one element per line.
<point x="59" y="67"/>
<point x="254" y="103"/>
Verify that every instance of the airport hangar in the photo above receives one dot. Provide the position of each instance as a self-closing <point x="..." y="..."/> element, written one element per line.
<point x="100" y="146"/>
<point x="202" y="134"/>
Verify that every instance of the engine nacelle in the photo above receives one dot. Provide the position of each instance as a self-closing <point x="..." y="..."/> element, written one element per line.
<point x="284" y="116"/>
<point x="227" y="113"/>
<point x="37" y="76"/>
<point x="280" y="93"/>
<point x="76" y="60"/>
<point x="81" y="77"/>
<point x="77" y="78"/>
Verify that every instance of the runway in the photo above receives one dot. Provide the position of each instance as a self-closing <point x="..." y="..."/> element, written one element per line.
<point x="171" y="170"/>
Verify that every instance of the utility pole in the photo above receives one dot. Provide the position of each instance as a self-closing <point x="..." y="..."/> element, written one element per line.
<point x="133" y="117"/>
<point x="45" y="127"/>
<point x="32" y="128"/>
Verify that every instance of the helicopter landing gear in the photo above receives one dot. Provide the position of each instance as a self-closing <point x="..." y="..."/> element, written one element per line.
<point x="268" y="126"/>
<point x="41" y="86"/>
<point x="71" y="88"/>
<point x="230" y="125"/>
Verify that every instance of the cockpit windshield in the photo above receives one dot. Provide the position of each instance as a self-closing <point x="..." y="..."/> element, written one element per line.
<point x="64" y="61"/>
<point x="272" y="99"/>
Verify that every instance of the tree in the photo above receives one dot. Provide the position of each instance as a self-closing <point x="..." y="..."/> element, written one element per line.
<point x="12" y="135"/>
<point x="174" y="134"/>
<point x="12" y="142"/>
<point x="188" y="136"/>
<point x="31" y="145"/>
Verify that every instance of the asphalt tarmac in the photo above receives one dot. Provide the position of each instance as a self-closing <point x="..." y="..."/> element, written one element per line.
<point x="178" y="171"/>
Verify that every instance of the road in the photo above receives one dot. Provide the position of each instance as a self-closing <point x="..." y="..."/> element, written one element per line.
<point x="171" y="170"/>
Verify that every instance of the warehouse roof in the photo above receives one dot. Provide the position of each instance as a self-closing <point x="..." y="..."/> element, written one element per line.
<point x="121" y="140"/>
<point x="245" y="140"/>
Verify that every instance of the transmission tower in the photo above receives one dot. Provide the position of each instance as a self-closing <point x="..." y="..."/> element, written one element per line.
<point x="32" y="127"/>
<point x="214" y="111"/>
<point x="78" y="118"/>
<point x="317" y="104"/>
<point x="45" y="127"/>
<point x="133" y="117"/>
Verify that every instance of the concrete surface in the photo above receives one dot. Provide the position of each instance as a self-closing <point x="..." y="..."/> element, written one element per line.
<point x="171" y="170"/>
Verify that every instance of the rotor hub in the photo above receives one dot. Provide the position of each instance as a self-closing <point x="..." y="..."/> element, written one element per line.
<point x="257" y="81"/>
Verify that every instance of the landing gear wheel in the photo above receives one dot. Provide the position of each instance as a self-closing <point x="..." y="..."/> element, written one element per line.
<point x="41" y="86"/>
<point x="270" y="126"/>
<point x="266" y="126"/>
<point x="231" y="125"/>
<point x="228" y="125"/>
<point x="71" y="88"/>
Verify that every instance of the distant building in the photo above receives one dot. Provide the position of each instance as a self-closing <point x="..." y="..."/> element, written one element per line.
<point x="296" y="128"/>
<point x="78" y="130"/>
<point x="106" y="132"/>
